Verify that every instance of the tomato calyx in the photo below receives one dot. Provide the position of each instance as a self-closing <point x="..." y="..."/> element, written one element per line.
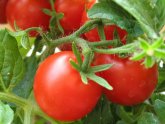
<point x="86" y="71"/>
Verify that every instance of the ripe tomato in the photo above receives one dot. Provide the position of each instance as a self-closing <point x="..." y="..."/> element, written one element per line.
<point x="59" y="91"/>
<point x="3" y="4"/>
<point x="93" y="35"/>
<point x="73" y="10"/>
<point x="28" y="13"/>
<point x="132" y="83"/>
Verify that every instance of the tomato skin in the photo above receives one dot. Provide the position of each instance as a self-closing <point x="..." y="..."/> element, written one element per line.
<point x="132" y="83"/>
<point x="3" y="4"/>
<point x="72" y="10"/>
<point x="28" y="13"/>
<point x="59" y="91"/>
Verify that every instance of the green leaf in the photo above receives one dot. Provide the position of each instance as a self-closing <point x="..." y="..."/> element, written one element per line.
<point x="159" y="107"/>
<point x="148" y="118"/>
<point x="11" y="63"/>
<point x="25" y="42"/>
<point x="24" y="87"/>
<point x="158" y="96"/>
<point x="150" y="15"/>
<point x="100" y="68"/>
<point x="99" y="80"/>
<point x="117" y="15"/>
<point x="102" y="113"/>
<point x="6" y="114"/>
<point x="125" y="116"/>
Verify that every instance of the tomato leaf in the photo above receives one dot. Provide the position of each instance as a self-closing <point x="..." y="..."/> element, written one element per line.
<point x="150" y="15"/>
<point x="114" y="13"/>
<point x="102" y="114"/>
<point x="148" y="118"/>
<point x="99" y="80"/>
<point x="11" y="63"/>
<point x="6" y="114"/>
<point x="159" y="107"/>
<point x="125" y="116"/>
<point x="24" y="87"/>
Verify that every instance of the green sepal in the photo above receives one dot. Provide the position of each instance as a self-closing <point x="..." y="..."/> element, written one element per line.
<point x="144" y="44"/>
<point x="149" y="62"/>
<point x="77" y="53"/>
<point x="74" y="65"/>
<point x="47" y="12"/>
<point x="99" y="81"/>
<point x="100" y="68"/>
<point x="159" y="53"/>
<point x="83" y="78"/>
<point x="138" y="56"/>
<point x="157" y="43"/>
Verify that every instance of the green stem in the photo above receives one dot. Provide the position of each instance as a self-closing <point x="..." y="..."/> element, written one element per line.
<point x="2" y="84"/>
<point x="27" y="115"/>
<point x="104" y="43"/>
<point x="13" y="99"/>
<point x="87" y="52"/>
<point x="76" y="34"/>
<point x="38" y="29"/>
<point x="38" y="111"/>
<point x="85" y="26"/>
<point x="123" y="49"/>
<point x="52" y="5"/>
<point x="62" y="40"/>
<point x="101" y="31"/>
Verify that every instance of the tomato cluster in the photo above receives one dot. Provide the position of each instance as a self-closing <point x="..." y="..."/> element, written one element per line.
<point x="58" y="87"/>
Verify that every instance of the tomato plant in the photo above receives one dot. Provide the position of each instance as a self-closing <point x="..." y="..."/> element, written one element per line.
<point x="132" y="83"/>
<point x="103" y="82"/>
<point x="31" y="14"/>
<point x="3" y="4"/>
<point x="59" y="90"/>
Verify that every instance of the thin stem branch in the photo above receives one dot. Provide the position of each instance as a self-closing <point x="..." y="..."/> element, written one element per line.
<point x="27" y="115"/>
<point x="104" y="43"/>
<point x="2" y="84"/>
<point x="76" y="34"/>
<point x="13" y="99"/>
<point x="123" y="49"/>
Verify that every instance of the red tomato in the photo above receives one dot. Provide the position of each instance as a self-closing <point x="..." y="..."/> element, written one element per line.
<point x="93" y="35"/>
<point x="72" y="10"/>
<point x="59" y="91"/>
<point x="3" y="4"/>
<point x="132" y="83"/>
<point x="28" y="13"/>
